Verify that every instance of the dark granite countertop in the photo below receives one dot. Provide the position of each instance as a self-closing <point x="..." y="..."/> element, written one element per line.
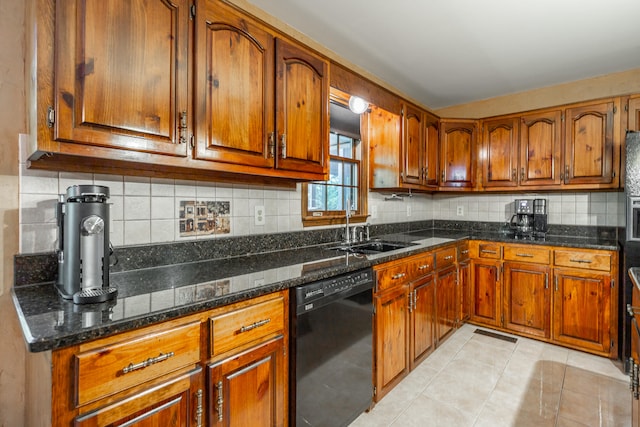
<point x="155" y="294"/>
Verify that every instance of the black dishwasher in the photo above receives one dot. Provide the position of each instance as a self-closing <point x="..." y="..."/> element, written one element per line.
<point x="331" y="354"/>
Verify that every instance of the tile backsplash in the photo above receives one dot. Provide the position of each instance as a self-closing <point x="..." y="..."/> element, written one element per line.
<point x="148" y="210"/>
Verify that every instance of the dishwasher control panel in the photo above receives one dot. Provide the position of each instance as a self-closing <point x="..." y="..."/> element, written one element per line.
<point x="334" y="285"/>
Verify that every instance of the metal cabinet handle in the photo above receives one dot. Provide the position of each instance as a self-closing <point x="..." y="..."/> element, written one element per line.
<point x="255" y="325"/>
<point x="448" y="257"/>
<point x="524" y="255"/>
<point x="272" y="145"/>
<point x="398" y="276"/>
<point x="514" y="175"/>
<point x="546" y="281"/>
<point x="219" y="401"/>
<point x="410" y="296"/>
<point x="183" y="128"/>
<point x="199" y="410"/>
<point x="148" y="362"/>
<point x="466" y="251"/>
<point x="283" y="145"/>
<point x="487" y="251"/>
<point x="581" y="261"/>
<point x="423" y="267"/>
<point x="556" y="284"/>
<point x="522" y="175"/>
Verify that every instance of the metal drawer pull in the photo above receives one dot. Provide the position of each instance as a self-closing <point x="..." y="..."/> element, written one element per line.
<point x="487" y="251"/>
<point x="447" y="258"/>
<point x="525" y="255"/>
<point x="150" y="361"/>
<point x="423" y="267"/>
<point x="219" y="401"/>
<point x="199" y="410"/>
<point x="398" y="276"/>
<point x="581" y="261"/>
<point x="466" y="251"/>
<point x="632" y="310"/>
<point x="255" y="325"/>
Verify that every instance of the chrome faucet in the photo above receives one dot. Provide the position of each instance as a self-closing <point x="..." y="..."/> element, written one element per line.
<point x="347" y="235"/>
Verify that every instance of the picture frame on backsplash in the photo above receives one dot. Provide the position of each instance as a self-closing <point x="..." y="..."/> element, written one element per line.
<point x="201" y="218"/>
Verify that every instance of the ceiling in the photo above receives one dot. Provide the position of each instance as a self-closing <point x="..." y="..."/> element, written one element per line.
<point x="449" y="52"/>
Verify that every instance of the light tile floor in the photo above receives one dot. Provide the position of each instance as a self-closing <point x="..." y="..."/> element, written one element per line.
<point x="476" y="380"/>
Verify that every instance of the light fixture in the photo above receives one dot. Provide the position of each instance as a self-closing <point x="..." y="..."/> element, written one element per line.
<point x="358" y="105"/>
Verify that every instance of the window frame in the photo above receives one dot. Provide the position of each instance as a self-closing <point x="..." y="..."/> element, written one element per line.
<point x="338" y="217"/>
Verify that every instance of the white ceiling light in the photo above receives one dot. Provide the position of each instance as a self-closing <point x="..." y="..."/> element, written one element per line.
<point x="358" y="105"/>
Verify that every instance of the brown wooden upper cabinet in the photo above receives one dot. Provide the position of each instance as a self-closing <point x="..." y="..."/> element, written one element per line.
<point x="590" y="154"/>
<point x="633" y="112"/>
<point x="457" y="154"/>
<point x="522" y="150"/>
<point x="121" y="75"/>
<point x="568" y="147"/>
<point x="236" y="82"/>
<point x="403" y="149"/>
<point x="124" y="98"/>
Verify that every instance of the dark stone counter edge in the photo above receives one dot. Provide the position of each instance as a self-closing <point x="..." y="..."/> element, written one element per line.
<point x="634" y="273"/>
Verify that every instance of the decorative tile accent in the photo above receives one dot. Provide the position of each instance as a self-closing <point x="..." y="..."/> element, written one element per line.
<point x="199" y="218"/>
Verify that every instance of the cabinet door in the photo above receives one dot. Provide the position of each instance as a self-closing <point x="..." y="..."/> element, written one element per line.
<point x="527" y="304"/>
<point x="540" y="149"/>
<point x="464" y="288"/>
<point x="500" y="153"/>
<point x="589" y="148"/>
<point x="581" y="309"/>
<point x="457" y="147"/>
<point x="302" y="110"/>
<point x="384" y="132"/>
<point x="485" y="292"/>
<point x="249" y="389"/>
<point x="121" y="74"/>
<point x="413" y="145"/>
<point x="422" y="319"/>
<point x="178" y="402"/>
<point x="633" y="120"/>
<point x="234" y="78"/>
<point x="432" y="135"/>
<point x="391" y="339"/>
<point x="446" y="307"/>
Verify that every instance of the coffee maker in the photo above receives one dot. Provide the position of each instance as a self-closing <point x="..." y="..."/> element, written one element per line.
<point x="540" y="217"/>
<point x="522" y="219"/>
<point x="530" y="218"/>
<point x="83" y="245"/>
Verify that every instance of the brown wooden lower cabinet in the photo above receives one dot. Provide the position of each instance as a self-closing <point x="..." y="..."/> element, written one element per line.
<point x="446" y="307"/>
<point x="248" y="389"/>
<point x="581" y="301"/>
<point x="177" y="402"/>
<point x="485" y="292"/>
<point x="566" y="296"/>
<point x="527" y="298"/>
<point x="391" y="339"/>
<point x="422" y="328"/>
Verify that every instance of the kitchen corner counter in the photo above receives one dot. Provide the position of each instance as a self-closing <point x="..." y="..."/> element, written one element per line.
<point x="150" y="295"/>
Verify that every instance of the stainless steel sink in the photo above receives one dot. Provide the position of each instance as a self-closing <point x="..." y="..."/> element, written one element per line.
<point x="373" y="247"/>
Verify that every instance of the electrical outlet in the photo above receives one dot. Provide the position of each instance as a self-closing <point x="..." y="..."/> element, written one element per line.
<point x="259" y="215"/>
<point x="408" y="210"/>
<point x="460" y="211"/>
<point x="374" y="211"/>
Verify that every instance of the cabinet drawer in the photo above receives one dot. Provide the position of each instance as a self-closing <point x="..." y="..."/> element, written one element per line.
<point x="253" y="323"/>
<point x="420" y="266"/>
<point x="489" y="250"/>
<point x="527" y="254"/>
<point x="589" y="260"/>
<point x="445" y="257"/>
<point x="116" y="367"/>
<point x="396" y="274"/>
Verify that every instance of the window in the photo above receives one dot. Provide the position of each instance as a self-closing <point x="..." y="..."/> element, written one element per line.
<point x="325" y="202"/>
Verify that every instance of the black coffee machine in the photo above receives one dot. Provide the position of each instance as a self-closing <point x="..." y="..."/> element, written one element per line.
<point x="83" y="245"/>
<point x="530" y="218"/>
